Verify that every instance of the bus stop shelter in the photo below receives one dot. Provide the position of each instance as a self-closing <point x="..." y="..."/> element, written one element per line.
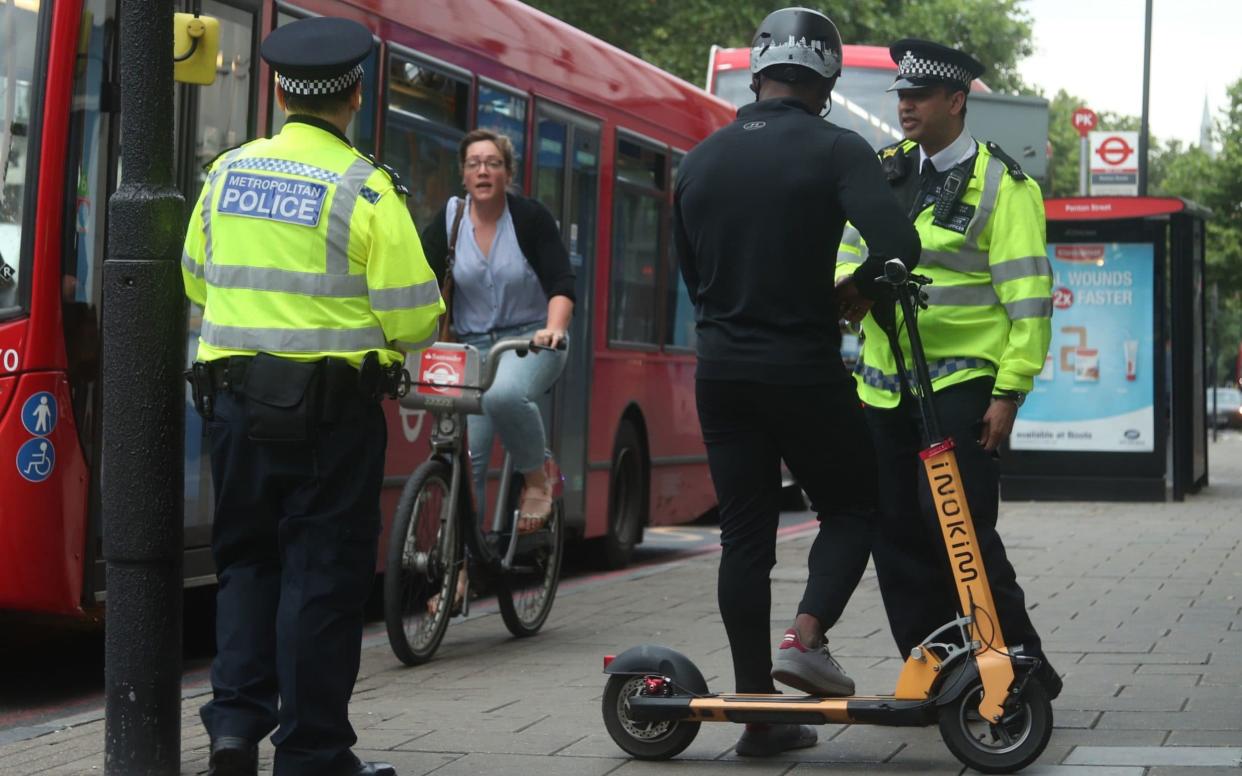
<point x="1118" y="412"/>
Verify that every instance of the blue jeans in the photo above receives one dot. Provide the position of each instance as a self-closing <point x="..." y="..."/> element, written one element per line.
<point x="509" y="406"/>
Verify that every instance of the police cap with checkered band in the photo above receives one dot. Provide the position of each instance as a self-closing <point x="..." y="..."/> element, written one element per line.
<point x="317" y="56"/>
<point x="921" y="63"/>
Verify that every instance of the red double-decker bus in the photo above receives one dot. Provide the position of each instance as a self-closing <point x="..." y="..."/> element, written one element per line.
<point x="599" y="134"/>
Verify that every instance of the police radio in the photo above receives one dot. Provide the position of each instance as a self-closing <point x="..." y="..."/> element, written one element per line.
<point x="951" y="193"/>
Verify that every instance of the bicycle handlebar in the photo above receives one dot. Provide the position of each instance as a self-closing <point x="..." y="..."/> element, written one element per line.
<point x="467" y="397"/>
<point x="491" y="363"/>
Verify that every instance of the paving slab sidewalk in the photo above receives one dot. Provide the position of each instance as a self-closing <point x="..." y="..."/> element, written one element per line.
<point x="1140" y="607"/>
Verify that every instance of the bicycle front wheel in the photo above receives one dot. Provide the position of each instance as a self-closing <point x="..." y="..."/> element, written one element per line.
<point x="525" y="593"/>
<point x="424" y="560"/>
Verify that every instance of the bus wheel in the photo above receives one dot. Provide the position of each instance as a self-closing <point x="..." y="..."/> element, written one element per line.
<point x="627" y="499"/>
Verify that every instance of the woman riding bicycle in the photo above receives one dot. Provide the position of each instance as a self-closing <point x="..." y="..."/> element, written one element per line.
<point x="510" y="277"/>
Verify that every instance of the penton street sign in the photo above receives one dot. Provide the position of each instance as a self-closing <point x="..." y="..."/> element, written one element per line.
<point x="1114" y="163"/>
<point x="1084" y="120"/>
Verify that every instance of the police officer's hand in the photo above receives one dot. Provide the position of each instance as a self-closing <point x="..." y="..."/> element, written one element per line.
<point x="998" y="422"/>
<point x="548" y="338"/>
<point x="851" y="304"/>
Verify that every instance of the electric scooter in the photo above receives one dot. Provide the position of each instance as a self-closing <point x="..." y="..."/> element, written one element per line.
<point x="993" y="714"/>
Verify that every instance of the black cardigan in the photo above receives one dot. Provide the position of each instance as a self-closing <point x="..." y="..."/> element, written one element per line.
<point x="538" y="238"/>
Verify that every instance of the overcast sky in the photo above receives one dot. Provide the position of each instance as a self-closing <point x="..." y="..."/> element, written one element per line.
<point x="1094" y="49"/>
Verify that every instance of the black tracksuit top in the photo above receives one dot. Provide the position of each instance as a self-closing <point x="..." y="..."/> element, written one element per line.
<point x="759" y="210"/>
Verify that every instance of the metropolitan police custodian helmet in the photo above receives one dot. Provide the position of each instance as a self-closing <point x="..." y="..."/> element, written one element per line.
<point x="793" y="38"/>
<point x="317" y="56"/>
<point x="922" y="63"/>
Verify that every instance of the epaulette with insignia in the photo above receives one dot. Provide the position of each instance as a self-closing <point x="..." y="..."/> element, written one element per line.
<point x="392" y="174"/>
<point x="895" y="161"/>
<point x="1015" y="169"/>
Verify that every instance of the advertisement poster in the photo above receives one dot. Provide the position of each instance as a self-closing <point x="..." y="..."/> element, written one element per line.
<point x="1096" y="390"/>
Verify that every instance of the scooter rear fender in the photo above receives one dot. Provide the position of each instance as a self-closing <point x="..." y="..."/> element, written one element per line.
<point x="957" y="682"/>
<point x="655" y="659"/>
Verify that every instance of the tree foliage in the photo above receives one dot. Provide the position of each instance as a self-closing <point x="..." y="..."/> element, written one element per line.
<point x="676" y="36"/>
<point x="1216" y="184"/>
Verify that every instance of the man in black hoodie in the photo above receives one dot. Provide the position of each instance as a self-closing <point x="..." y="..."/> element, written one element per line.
<point x="760" y="208"/>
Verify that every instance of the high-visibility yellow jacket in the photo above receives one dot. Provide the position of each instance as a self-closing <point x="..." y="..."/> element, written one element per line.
<point x="302" y="247"/>
<point x="990" y="304"/>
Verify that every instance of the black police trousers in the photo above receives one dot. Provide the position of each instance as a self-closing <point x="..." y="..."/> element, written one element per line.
<point x="294" y="542"/>
<point x="820" y="433"/>
<point x="910" y="559"/>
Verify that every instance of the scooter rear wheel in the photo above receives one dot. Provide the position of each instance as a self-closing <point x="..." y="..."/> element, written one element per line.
<point x="644" y="740"/>
<point x="1005" y="747"/>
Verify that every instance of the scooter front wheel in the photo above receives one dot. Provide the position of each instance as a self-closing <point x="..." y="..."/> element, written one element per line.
<point x="644" y="740"/>
<point x="1004" y="747"/>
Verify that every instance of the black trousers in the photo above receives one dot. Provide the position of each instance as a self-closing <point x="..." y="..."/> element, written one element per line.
<point x="910" y="558"/>
<point x="821" y="434"/>
<point x="294" y="541"/>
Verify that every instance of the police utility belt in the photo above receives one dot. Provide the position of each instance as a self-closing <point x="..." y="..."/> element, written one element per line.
<point x="287" y="400"/>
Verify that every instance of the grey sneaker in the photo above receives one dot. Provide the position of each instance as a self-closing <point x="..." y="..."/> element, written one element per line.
<point x="767" y="740"/>
<point x="813" y="671"/>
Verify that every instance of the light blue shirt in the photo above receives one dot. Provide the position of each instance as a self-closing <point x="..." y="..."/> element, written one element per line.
<point x="498" y="290"/>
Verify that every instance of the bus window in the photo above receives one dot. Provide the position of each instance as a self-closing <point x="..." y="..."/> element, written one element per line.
<point x="427" y="116"/>
<point x="549" y="186"/>
<point x="362" y="129"/>
<point x="224" y="116"/>
<point x="679" y="333"/>
<point x="638" y="237"/>
<point x="90" y="178"/>
<point x="504" y="112"/>
<point x="18" y="34"/>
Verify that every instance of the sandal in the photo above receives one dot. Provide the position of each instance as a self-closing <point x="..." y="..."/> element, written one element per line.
<point x="459" y="597"/>
<point x="536" y="504"/>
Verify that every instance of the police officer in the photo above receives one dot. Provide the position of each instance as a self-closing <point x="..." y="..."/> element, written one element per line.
<point x="313" y="283"/>
<point x="986" y="331"/>
<point x="759" y="208"/>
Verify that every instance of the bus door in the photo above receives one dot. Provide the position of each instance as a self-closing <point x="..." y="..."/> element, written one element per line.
<point x="566" y="180"/>
<point x="222" y="115"/>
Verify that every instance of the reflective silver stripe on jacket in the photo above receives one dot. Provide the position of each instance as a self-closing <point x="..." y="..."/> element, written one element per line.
<point x="405" y="297"/>
<point x="852" y="238"/>
<point x="964" y="260"/>
<point x="286" y="281"/>
<point x="992" y="176"/>
<point x="1016" y="269"/>
<point x="191" y="266"/>
<point x="343" y="201"/>
<point x="1039" y="307"/>
<point x="211" y="192"/>
<point x="410" y="347"/>
<point x="961" y="296"/>
<point x="936" y="369"/>
<point x="293" y="340"/>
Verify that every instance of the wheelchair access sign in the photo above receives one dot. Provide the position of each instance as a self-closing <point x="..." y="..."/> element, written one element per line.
<point x="36" y="459"/>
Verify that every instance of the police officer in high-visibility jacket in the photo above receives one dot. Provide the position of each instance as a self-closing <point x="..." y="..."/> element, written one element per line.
<point x="986" y="331"/>
<point x="313" y="285"/>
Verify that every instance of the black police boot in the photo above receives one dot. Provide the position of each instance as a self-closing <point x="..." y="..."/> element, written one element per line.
<point x="1048" y="677"/>
<point x="233" y="756"/>
<point x="375" y="769"/>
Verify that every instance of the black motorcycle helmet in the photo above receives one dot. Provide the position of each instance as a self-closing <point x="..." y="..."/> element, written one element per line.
<point x="792" y="41"/>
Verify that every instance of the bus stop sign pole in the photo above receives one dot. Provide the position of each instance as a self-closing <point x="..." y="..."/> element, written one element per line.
<point x="142" y="479"/>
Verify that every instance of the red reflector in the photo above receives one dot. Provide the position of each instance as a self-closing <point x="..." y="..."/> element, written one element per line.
<point x="937" y="449"/>
<point x="608" y="661"/>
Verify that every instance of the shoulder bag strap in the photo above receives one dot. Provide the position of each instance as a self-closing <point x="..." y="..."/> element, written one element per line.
<point x="446" y="324"/>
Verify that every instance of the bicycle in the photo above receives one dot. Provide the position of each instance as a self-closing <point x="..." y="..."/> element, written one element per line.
<point x="428" y="576"/>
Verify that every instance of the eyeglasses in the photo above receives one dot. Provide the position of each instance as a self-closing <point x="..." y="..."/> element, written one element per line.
<point x="494" y="164"/>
